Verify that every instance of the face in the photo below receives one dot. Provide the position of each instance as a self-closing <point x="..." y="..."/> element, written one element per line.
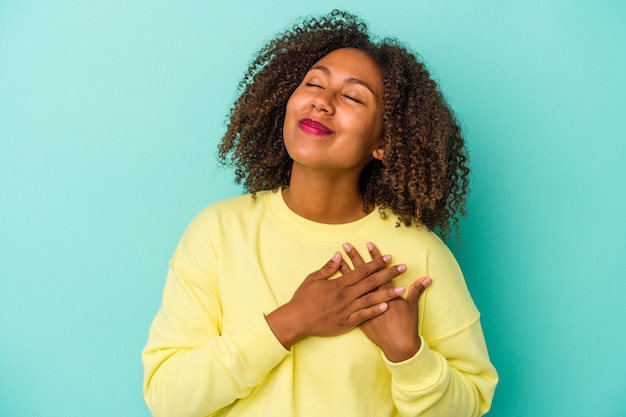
<point x="333" y="120"/>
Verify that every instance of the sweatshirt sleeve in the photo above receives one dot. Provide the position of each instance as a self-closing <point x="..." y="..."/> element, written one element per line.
<point x="451" y="375"/>
<point x="190" y="367"/>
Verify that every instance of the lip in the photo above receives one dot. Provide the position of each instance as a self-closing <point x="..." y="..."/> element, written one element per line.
<point x="314" y="127"/>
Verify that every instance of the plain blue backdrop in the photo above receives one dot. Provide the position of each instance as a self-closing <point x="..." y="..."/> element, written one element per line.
<point x="110" y="112"/>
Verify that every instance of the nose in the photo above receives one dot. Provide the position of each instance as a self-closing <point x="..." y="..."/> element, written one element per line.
<point x="324" y="102"/>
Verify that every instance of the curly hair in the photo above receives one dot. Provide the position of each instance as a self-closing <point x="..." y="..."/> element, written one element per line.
<point x="423" y="176"/>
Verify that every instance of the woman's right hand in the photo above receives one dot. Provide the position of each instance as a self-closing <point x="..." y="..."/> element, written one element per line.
<point x="329" y="307"/>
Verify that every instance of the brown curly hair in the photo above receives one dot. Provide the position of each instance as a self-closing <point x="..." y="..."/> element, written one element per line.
<point x="423" y="177"/>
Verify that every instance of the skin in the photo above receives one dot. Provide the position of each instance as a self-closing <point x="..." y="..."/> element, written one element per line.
<point x="324" y="180"/>
<point x="395" y="332"/>
<point x="333" y="125"/>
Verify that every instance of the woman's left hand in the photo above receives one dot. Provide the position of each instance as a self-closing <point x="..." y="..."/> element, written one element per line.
<point x="394" y="331"/>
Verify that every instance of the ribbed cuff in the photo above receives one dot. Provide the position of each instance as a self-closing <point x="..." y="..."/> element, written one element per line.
<point x="420" y="372"/>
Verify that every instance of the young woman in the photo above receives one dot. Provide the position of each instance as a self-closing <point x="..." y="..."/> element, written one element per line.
<point x="309" y="297"/>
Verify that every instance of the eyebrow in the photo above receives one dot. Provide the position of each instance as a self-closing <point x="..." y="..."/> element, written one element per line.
<point x="351" y="80"/>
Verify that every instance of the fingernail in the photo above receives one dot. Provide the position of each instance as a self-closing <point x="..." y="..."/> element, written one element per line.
<point x="347" y="247"/>
<point x="399" y="290"/>
<point x="336" y="256"/>
<point x="387" y="258"/>
<point x="427" y="282"/>
<point x="383" y="307"/>
<point x="401" y="268"/>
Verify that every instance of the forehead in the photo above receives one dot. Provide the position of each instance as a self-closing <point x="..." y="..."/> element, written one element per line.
<point x="352" y="63"/>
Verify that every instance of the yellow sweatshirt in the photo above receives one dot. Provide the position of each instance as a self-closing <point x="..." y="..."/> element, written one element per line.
<point x="210" y="351"/>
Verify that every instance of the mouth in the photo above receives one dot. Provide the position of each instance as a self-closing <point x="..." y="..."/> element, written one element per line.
<point x="314" y="127"/>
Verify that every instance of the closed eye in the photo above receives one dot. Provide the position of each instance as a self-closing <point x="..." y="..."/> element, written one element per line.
<point x="313" y="85"/>
<point x="356" y="100"/>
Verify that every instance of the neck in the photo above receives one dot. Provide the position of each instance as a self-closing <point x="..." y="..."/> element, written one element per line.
<point x="325" y="199"/>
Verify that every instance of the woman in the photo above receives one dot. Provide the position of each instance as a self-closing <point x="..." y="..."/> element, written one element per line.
<point x="343" y="143"/>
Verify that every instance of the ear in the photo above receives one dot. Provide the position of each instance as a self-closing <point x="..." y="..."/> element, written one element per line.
<point x="379" y="153"/>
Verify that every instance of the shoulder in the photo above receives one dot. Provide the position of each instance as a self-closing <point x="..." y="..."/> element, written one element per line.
<point x="420" y="246"/>
<point x="231" y="209"/>
<point x="228" y="205"/>
<point x="447" y="303"/>
<point x="438" y="260"/>
<point x="217" y="219"/>
<point x="417" y="238"/>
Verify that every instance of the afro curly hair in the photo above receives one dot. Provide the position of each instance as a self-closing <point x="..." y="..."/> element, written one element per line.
<point x="423" y="177"/>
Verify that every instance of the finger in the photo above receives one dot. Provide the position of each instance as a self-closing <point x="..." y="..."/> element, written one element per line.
<point x="328" y="270"/>
<point x="376" y="280"/>
<point x="373" y="250"/>
<point x="375" y="253"/>
<point x="344" y="268"/>
<point x="387" y="286"/>
<point x="416" y="290"/>
<point x="365" y="271"/>
<point x="379" y="296"/>
<point x="365" y="314"/>
<point x="353" y="254"/>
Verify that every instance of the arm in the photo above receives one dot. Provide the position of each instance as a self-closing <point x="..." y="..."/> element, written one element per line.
<point x="192" y="368"/>
<point x="323" y="307"/>
<point x="452" y="376"/>
<point x="446" y="374"/>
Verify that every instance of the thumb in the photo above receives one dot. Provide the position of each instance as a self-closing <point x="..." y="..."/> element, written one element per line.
<point x="416" y="290"/>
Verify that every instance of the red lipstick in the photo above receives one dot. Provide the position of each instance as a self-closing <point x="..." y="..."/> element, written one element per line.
<point x="314" y="127"/>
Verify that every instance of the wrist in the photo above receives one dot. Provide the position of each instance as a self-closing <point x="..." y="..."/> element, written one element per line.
<point x="285" y="326"/>
<point x="403" y="352"/>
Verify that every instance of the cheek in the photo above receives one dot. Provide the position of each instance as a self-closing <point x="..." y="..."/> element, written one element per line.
<point x="370" y="126"/>
<point x="288" y="113"/>
<point x="296" y="98"/>
<point x="376" y="123"/>
<point x="294" y="103"/>
<point x="290" y="124"/>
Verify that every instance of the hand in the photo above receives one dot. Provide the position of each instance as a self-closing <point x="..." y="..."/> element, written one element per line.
<point x="325" y="307"/>
<point x="395" y="332"/>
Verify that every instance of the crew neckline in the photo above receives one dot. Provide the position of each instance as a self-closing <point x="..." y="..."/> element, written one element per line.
<point x="321" y="232"/>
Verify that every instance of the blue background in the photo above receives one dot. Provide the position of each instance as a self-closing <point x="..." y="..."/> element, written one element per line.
<point x="110" y="112"/>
